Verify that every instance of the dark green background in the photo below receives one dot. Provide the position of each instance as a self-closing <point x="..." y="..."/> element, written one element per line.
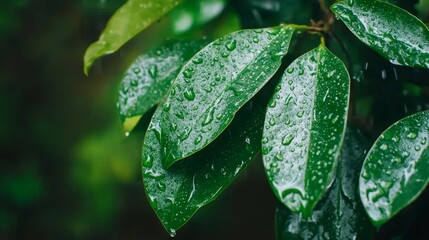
<point x="68" y="172"/>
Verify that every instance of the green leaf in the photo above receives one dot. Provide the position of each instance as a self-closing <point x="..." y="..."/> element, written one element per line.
<point x="148" y="79"/>
<point x="340" y="214"/>
<point x="178" y="192"/>
<point x="304" y="128"/>
<point x="215" y="84"/>
<point x="133" y="17"/>
<point x="391" y="31"/>
<point x="195" y="13"/>
<point x="396" y="169"/>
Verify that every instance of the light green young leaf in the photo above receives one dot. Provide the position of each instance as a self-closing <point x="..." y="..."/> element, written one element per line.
<point x="148" y="79"/>
<point x="340" y="214"/>
<point x="215" y="84"/>
<point x="304" y="129"/>
<point x="391" y="31"/>
<point x="396" y="169"/>
<point x="178" y="192"/>
<point x="133" y="17"/>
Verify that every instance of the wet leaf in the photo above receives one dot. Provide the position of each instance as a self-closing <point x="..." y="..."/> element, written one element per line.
<point x="215" y="84"/>
<point x="133" y="17"/>
<point x="195" y="13"/>
<point x="391" y="31"/>
<point x="396" y="169"/>
<point x="304" y="129"/>
<point x="340" y="214"/>
<point x="148" y="79"/>
<point x="178" y="192"/>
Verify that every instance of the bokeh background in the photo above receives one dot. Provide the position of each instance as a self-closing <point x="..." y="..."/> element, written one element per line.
<point x="67" y="171"/>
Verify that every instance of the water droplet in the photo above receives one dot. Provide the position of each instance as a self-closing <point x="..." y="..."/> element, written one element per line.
<point x="180" y="115"/>
<point x="127" y="134"/>
<point x="231" y="45"/>
<point x="255" y="40"/>
<point x="189" y="94"/>
<point x="166" y="107"/>
<point x="134" y="83"/>
<point x="301" y="71"/>
<point x="411" y="135"/>
<point x="136" y="70"/>
<point x="148" y="162"/>
<point x="395" y="138"/>
<point x="300" y="114"/>
<point x="187" y="73"/>
<point x="153" y="71"/>
<point x="405" y="154"/>
<point x="287" y="140"/>
<point x="161" y="186"/>
<point x="209" y="117"/>
<point x="290" y="70"/>
<point x="383" y="147"/>
<point x="197" y="60"/>
<point x="272" y="122"/>
<point x="198" y="139"/>
<point x="417" y="148"/>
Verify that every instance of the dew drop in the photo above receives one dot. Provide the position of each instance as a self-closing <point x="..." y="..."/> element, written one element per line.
<point x="411" y="135"/>
<point x="136" y="70"/>
<point x="187" y="73"/>
<point x="209" y="117"/>
<point x="197" y="60"/>
<point x="383" y="147"/>
<point x="287" y="140"/>
<point x="148" y="162"/>
<point x="166" y="107"/>
<point x="161" y="186"/>
<point x="198" y="139"/>
<point x="290" y="70"/>
<point x="231" y="45"/>
<point x="189" y="94"/>
<point x="153" y="71"/>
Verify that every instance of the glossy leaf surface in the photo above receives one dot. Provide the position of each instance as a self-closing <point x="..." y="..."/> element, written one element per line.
<point x="133" y="17"/>
<point x="148" y="79"/>
<point x="215" y="84"/>
<point x="340" y="214"/>
<point x="194" y="13"/>
<point x="391" y="31"/>
<point x="178" y="192"/>
<point x="304" y="128"/>
<point x="396" y="169"/>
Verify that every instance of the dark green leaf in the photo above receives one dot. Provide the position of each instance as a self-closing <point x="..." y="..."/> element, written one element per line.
<point x="396" y="169"/>
<point x="148" y="79"/>
<point x="339" y="215"/>
<point x="215" y="84"/>
<point x="133" y="17"/>
<point x="304" y="128"/>
<point x="391" y="31"/>
<point x="178" y="192"/>
<point x="194" y="13"/>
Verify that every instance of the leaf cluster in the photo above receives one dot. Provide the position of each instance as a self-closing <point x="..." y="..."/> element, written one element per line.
<point x="220" y="103"/>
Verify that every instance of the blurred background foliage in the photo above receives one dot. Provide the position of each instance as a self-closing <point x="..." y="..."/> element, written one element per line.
<point x="68" y="172"/>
